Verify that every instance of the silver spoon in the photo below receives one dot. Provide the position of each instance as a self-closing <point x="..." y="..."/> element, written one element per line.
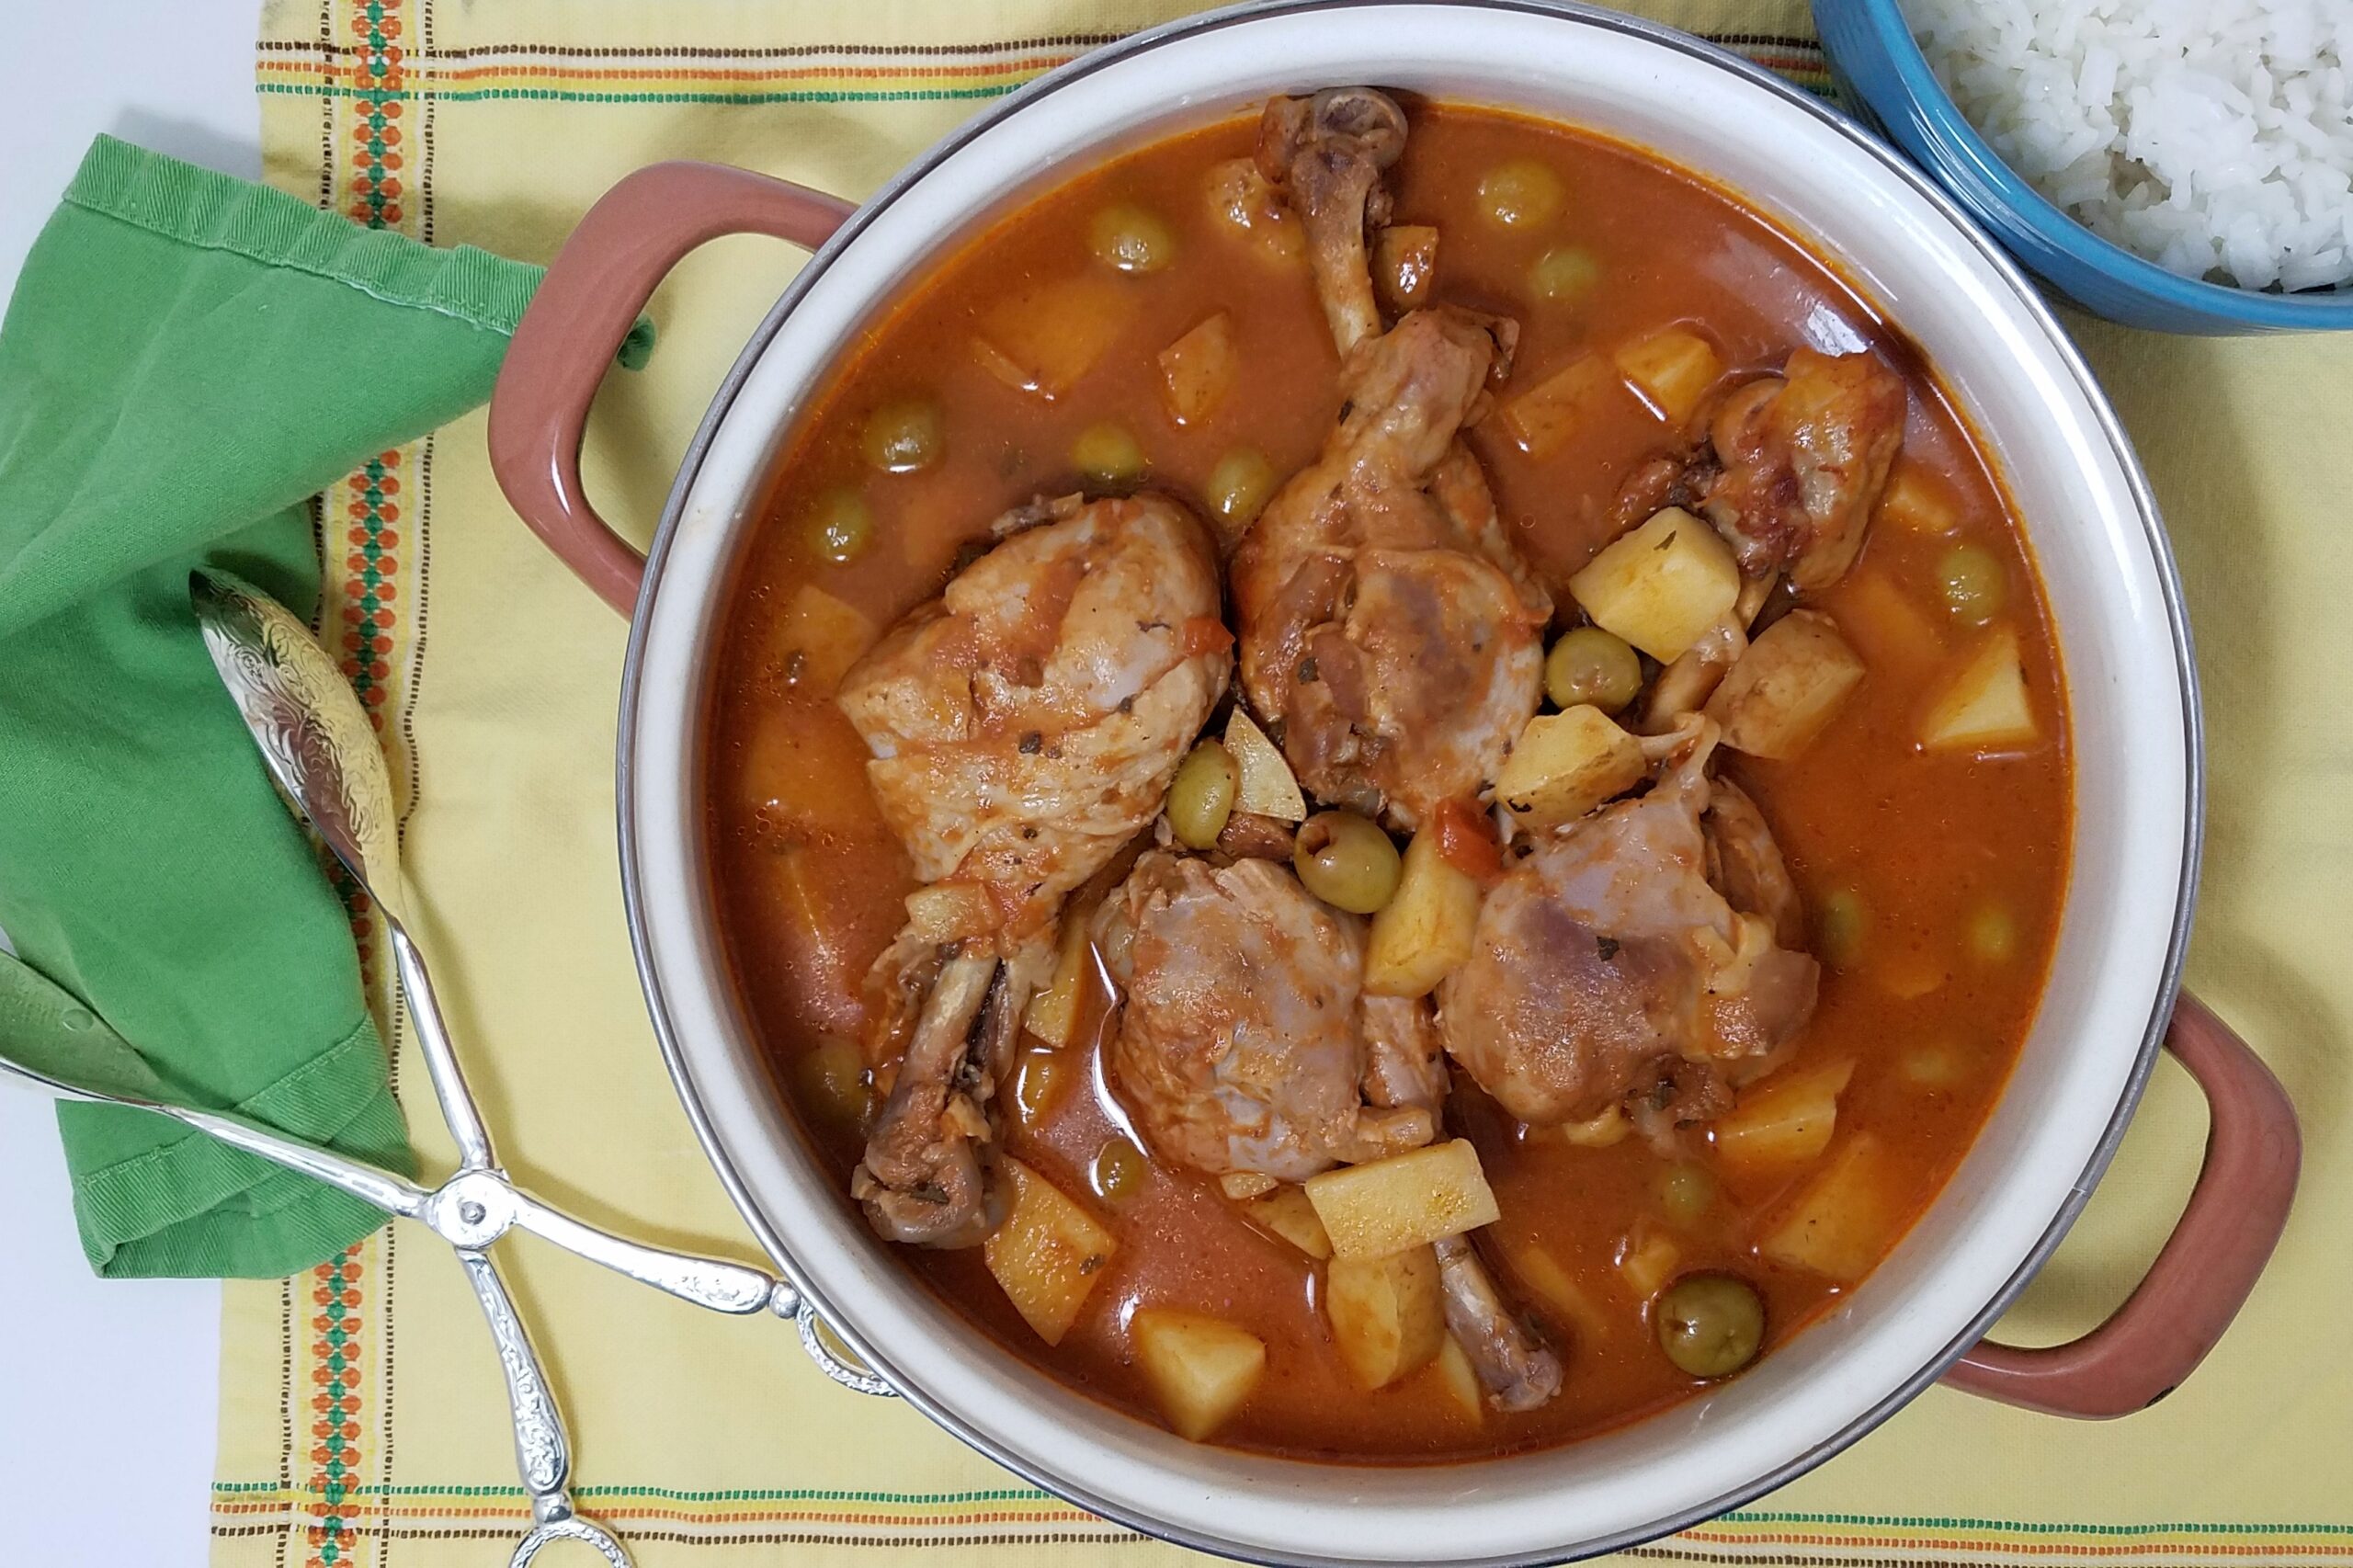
<point x="320" y="749"/>
<point x="56" y="1044"/>
<point x="318" y="744"/>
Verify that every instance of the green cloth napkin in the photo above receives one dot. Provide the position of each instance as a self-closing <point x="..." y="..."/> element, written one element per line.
<point x="159" y="408"/>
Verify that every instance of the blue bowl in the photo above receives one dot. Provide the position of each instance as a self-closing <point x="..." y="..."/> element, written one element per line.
<point x="1882" y="72"/>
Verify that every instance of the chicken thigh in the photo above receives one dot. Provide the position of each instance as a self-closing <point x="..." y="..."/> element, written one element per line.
<point x="1608" y="968"/>
<point x="1022" y="728"/>
<point x="1390" y="631"/>
<point x="1244" y="1046"/>
<point x="1788" y="467"/>
<point x="1241" y="1045"/>
<point x="1788" y="470"/>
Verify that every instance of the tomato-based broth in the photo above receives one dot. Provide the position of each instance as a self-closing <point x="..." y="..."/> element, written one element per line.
<point x="1930" y="873"/>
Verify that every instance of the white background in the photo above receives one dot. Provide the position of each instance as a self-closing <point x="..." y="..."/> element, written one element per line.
<point x="108" y="1389"/>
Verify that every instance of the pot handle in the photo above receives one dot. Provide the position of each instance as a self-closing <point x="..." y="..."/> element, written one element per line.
<point x="593" y="293"/>
<point x="2208" y="1266"/>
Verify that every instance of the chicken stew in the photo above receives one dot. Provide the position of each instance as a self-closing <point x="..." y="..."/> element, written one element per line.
<point x="1389" y="782"/>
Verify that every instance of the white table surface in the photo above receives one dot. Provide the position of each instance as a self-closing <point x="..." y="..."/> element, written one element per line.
<point x="108" y="1389"/>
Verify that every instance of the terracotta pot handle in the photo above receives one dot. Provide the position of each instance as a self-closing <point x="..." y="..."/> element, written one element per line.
<point x="2208" y="1266"/>
<point x="585" y="307"/>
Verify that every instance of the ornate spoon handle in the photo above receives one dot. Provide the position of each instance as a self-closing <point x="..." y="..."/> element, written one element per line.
<point x="543" y="1454"/>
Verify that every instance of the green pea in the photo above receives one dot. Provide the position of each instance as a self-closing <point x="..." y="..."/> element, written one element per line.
<point x="1588" y="664"/>
<point x="1118" y="1170"/>
<point x="1710" y="1325"/>
<point x="1838" y="928"/>
<point x="1976" y="588"/>
<point x="1240" y="485"/>
<point x="1108" y="454"/>
<point x="840" y="525"/>
<point x="1993" y="934"/>
<point x="1200" y="798"/>
<point x="1345" y="861"/>
<point x="1132" y="238"/>
<point x="1686" y="1191"/>
<point x="1564" y="274"/>
<point x="833" y="1081"/>
<point x="1520" y="194"/>
<point x="903" y="437"/>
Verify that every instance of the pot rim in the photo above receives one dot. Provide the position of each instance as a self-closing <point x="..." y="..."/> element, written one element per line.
<point x="2032" y="306"/>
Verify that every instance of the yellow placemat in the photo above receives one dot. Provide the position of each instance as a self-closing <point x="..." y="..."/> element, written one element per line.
<point x="363" y="1414"/>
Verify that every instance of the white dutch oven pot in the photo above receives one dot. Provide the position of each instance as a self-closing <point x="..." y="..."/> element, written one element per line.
<point x="2124" y="644"/>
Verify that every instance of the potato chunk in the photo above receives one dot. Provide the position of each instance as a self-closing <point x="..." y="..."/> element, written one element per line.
<point x="1843" y="1222"/>
<point x="1542" y="1274"/>
<point x="1405" y="1201"/>
<point x="1985" y="706"/>
<point x="1543" y="419"/>
<point x="1054" y="1012"/>
<point x="1048" y="1254"/>
<point x="948" y="912"/>
<point x="1917" y="501"/>
<point x="1424" y="932"/>
<point x="1202" y="1367"/>
<point x="797" y="771"/>
<point x="1044" y="338"/>
<point x="1785" y="690"/>
<point x="1388" y="1313"/>
<point x="1786" y="1119"/>
<point x="1461" y="1382"/>
<point x="1886" y="626"/>
<point x="1646" y="1261"/>
<point x="817" y="637"/>
<point x="1567" y="763"/>
<point x="1662" y="585"/>
<point x="1404" y="266"/>
<point x="1197" y="371"/>
<point x="1285" y="1212"/>
<point x="1672" y="368"/>
<point x="1265" y="786"/>
<point x="1246" y="205"/>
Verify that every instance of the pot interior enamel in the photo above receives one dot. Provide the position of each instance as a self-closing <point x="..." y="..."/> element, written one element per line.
<point x="2108" y="578"/>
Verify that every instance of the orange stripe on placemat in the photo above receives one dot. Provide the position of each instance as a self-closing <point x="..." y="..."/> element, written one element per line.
<point x="317" y="48"/>
<point x="427" y="75"/>
<point x="788" y="73"/>
<point x="365" y="1509"/>
<point x="2022" y="1549"/>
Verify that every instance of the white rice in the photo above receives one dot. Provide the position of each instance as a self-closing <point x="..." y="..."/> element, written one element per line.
<point x="2214" y="137"/>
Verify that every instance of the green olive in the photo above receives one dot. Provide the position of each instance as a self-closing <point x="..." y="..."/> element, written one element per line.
<point x="1118" y="1170"/>
<point x="1993" y="934"/>
<point x="1132" y="238"/>
<point x="1108" y="454"/>
<point x="1838" y="928"/>
<point x="1975" y="586"/>
<point x="840" y="525"/>
<point x="1520" y="194"/>
<point x="903" y="437"/>
<point x="1588" y="664"/>
<point x="833" y="1081"/>
<point x="1240" y="485"/>
<point x="1711" y="1325"/>
<point x="1936" y="1064"/>
<point x="1564" y="274"/>
<point x="1345" y="861"/>
<point x="1200" y="797"/>
<point x="1686" y="1191"/>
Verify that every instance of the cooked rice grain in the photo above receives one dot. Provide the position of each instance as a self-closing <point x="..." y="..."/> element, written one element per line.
<point x="2214" y="137"/>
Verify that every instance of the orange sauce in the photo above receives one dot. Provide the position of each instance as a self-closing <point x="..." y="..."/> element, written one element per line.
<point x="1956" y="863"/>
